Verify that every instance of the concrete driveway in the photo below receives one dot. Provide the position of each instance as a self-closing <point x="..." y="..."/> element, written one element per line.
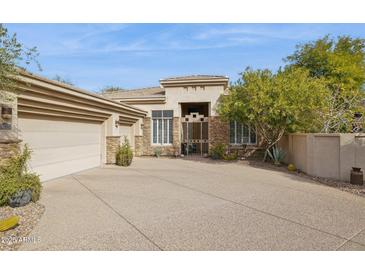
<point x="168" y="204"/>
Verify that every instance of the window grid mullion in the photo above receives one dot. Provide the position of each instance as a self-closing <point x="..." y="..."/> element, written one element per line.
<point x="167" y="133"/>
<point x="241" y="133"/>
<point x="249" y="135"/>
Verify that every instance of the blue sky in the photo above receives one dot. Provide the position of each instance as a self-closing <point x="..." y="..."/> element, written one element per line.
<point x="93" y="56"/>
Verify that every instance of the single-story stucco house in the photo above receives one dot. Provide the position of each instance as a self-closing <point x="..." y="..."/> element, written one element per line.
<point x="181" y="116"/>
<point x="70" y="129"/>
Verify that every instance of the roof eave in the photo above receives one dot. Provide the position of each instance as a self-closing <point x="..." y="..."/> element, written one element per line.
<point x="36" y="79"/>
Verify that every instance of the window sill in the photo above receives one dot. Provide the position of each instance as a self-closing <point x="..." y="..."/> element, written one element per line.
<point x="161" y="145"/>
<point x="244" y="145"/>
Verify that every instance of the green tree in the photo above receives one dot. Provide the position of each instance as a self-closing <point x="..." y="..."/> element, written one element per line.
<point x="341" y="62"/>
<point x="62" y="80"/>
<point x="111" y="88"/>
<point x="12" y="53"/>
<point x="275" y="103"/>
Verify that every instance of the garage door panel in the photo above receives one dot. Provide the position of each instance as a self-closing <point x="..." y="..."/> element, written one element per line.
<point x="56" y="139"/>
<point x="61" y="147"/>
<point x="49" y="124"/>
<point x="61" y="154"/>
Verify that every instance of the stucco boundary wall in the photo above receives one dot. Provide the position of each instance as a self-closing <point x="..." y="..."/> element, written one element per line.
<point x="325" y="155"/>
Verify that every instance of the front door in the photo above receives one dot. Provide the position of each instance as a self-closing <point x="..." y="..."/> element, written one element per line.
<point x="195" y="134"/>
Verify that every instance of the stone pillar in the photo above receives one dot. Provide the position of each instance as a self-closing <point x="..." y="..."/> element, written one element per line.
<point x="147" y="149"/>
<point x="218" y="131"/>
<point x="138" y="145"/>
<point x="176" y="135"/>
<point x="112" y="145"/>
<point x="8" y="149"/>
<point x="9" y="142"/>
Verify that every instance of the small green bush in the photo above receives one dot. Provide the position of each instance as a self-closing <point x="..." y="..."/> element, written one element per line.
<point x="217" y="151"/>
<point x="230" y="156"/>
<point x="15" y="177"/>
<point x="124" y="155"/>
<point x="157" y="152"/>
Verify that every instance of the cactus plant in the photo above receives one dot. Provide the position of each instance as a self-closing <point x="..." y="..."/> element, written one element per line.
<point x="277" y="155"/>
<point x="8" y="223"/>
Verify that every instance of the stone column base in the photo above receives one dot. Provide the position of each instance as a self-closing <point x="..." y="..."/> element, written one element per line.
<point x="112" y="146"/>
<point x="138" y="145"/>
<point x="8" y="149"/>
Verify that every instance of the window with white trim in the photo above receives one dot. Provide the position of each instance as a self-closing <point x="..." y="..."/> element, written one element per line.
<point x="241" y="134"/>
<point x="162" y="127"/>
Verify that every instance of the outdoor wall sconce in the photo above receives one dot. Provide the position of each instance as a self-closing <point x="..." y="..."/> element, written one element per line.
<point x="6" y="112"/>
<point x="116" y="123"/>
<point x="5" y="117"/>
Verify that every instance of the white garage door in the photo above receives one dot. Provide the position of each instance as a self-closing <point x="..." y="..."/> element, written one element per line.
<point x="61" y="147"/>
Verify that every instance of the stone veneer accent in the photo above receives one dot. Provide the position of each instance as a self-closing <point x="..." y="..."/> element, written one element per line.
<point x="218" y="131"/>
<point x="138" y="145"/>
<point x="168" y="150"/>
<point x="8" y="149"/>
<point x="112" y="145"/>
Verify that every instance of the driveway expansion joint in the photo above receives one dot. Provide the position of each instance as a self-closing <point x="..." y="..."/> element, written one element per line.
<point x="250" y="207"/>
<point x="118" y="213"/>
<point x="350" y="240"/>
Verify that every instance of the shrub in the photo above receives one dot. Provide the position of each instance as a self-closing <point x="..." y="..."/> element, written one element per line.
<point x="217" y="151"/>
<point x="277" y="155"/>
<point x="14" y="177"/>
<point x="230" y="156"/>
<point x="157" y="152"/>
<point x="124" y="155"/>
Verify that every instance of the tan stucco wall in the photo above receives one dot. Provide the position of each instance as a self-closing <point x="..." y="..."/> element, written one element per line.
<point x="326" y="155"/>
<point x="127" y="131"/>
<point x="177" y="95"/>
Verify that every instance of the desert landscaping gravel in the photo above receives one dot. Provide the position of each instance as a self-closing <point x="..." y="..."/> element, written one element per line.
<point x="342" y="185"/>
<point x="29" y="216"/>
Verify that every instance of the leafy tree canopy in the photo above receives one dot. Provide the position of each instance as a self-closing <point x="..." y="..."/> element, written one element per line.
<point x="341" y="62"/>
<point x="111" y="88"/>
<point x="62" y="80"/>
<point x="12" y="53"/>
<point x="276" y="103"/>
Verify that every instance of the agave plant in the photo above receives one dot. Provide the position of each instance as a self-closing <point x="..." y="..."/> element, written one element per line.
<point x="277" y="155"/>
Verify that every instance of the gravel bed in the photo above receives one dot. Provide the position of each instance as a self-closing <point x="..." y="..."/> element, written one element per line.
<point x="341" y="185"/>
<point x="29" y="216"/>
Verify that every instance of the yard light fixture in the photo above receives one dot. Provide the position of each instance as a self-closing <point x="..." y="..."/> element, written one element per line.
<point x="6" y="112"/>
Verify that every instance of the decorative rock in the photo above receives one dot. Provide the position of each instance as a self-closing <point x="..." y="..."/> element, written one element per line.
<point x="21" y="198"/>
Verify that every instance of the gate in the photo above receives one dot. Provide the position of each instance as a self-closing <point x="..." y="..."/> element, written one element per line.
<point x="195" y="134"/>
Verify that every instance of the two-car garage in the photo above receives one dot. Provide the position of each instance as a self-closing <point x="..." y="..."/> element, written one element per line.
<point x="66" y="128"/>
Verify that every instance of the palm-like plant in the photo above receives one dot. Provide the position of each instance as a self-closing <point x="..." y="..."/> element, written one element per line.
<point x="277" y="155"/>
